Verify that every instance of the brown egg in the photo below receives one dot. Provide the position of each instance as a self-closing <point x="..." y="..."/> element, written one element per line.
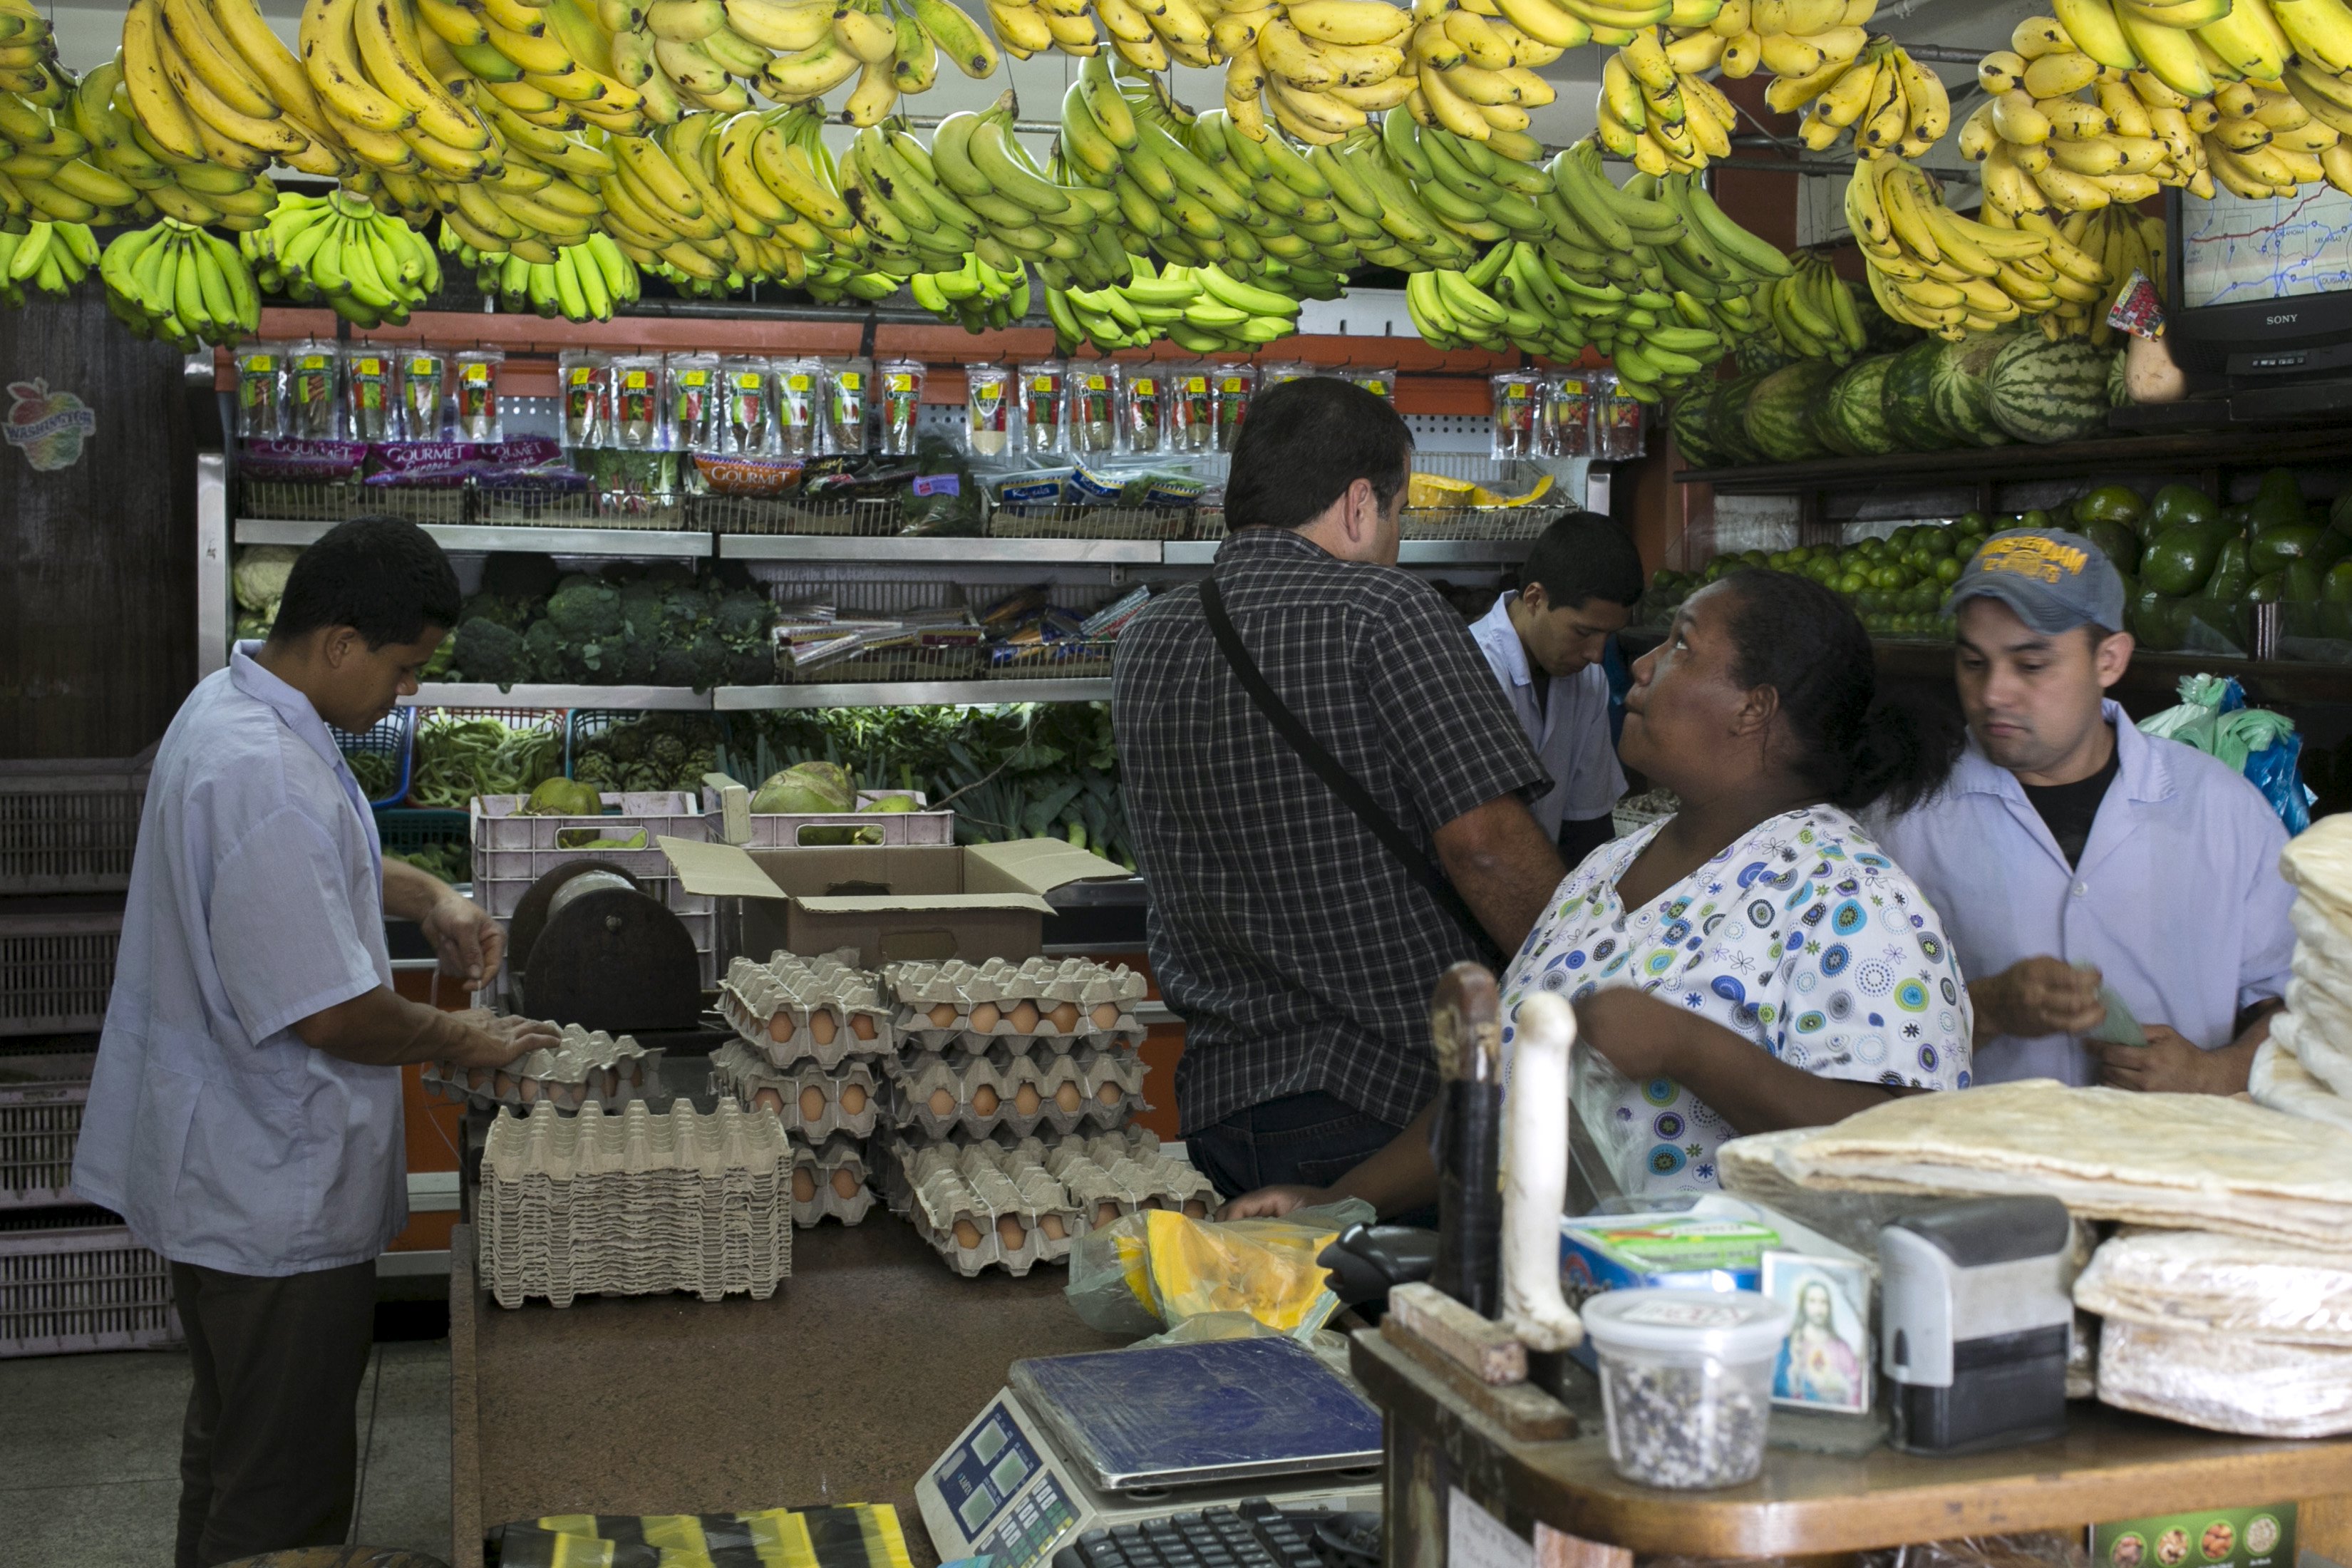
<point x="506" y="1086"/>
<point x="780" y="1027"/>
<point x="768" y="1100"/>
<point x="1026" y="1099"/>
<point x="984" y="1100"/>
<point x="1106" y="1213"/>
<point x="942" y="1103"/>
<point x="984" y="1017"/>
<point x="530" y="1088"/>
<point x="862" y="1026"/>
<point x="822" y="1029"/>
<point x="1108" y="1093"/>
<point x="1009" y="1232"/>
<point x="612" y="1084"/>
<point x="1104" y="1015"/>
<point x="967" y="1235"/>
<point x="943" y="1017"/>
<point x="803" y="1185"/>
<point x="844" y="1181"/>
<point x="1196" y="1208"/>
<point x="1024" y="1019"/>
<point x="812" y="1103"/>
<point x="1068" y="1097"/>
<point x="853" y="1099"/>
<point x="1064" y="1018"/>
<point x="1051" y="1224"/>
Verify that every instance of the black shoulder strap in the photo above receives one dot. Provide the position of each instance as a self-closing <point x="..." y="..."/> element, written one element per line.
<point x="1327" y="767"/>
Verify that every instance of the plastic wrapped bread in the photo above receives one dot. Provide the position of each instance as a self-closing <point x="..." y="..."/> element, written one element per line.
<point x="590" y="1068"/>
<point x="794" y="1009"/>
<point x="1022" y="1092"/>
<point x="1058" y="999"/>
<point x="811" y="1103"/>
<point x="634" y="1203"/>
<point x="2188" y="1281"/>
<point x="830" y="1183"/>
<point x="2226" y="1383"/>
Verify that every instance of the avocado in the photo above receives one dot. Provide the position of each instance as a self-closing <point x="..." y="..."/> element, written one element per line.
<point x="2231" y="571"/>
<point x="2110" y="503"/>
<point x="2177" y="504"/>
<point x="2278" y="500"/>
<point x="2302" y="582"/>
<point x="2336" y="586"/>
<point x="2267" y="590"/>
<point x="2159" y="621"/>
<point x="2271" y="546"/>
<point x="2116" y="541"/>
<point x="2180" y="560"/>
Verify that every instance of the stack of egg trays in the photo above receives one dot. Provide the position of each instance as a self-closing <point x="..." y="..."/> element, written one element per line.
<point x="940" y="1004"/>
<point x="830" y="1183"/>
<point x="1021" y="1085"/>
<point x="590" y="1068"/>
<point x="634" y="1203"/>
<point x="796" y="1009"/>
<point x="1112" y="1176"/>
<point x="808" y="1102"/>
<point x="989" y="1202"/>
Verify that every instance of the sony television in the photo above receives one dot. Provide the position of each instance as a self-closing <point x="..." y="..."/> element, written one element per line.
<point x="2261" y="290"/>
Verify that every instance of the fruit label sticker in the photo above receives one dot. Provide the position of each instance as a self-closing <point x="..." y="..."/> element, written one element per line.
<point x="2259" y="1537"/>
<point x="48" y="427"/>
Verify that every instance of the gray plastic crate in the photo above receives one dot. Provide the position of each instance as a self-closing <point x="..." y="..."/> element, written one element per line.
<point x="57" y="970"/>
<point x="40" y="1117"/>
<point x="69" y="826"/>
<point x="74" y="1280"/>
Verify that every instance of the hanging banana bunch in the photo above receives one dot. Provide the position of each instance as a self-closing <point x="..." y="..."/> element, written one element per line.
<point x="1474" y="75"/>
<point x="59" y="171"/>
<point x="584" y="282"/>
<point x="1887" y="100"/>
<point x="2264" y="140"/>
<point x="1662" y="118"/>
<point x="2123" y="243"/>
<point x="1947" y="274"/>
<point x="2060" y="128"/>
<point x="975" y="295"/>
<point x="178" y="284"/>
<point x="1203" y="309"/>
<point x="49" y="257"/>
<point x="1813" y="312"/>
<point x="1319" y="68"/>
<point x="1786" y="37"/>
<point x="370" y="267"/>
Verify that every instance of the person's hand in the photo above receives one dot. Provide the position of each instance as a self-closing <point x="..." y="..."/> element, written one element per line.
<point x="2169" y="1064"/>
<point x="493" y="1040"/>
<point x="2040" y="996"/>
<point x="1273" y="1202"/>
<point x="1630" y="1028"/>
<point x="466" y="938"/>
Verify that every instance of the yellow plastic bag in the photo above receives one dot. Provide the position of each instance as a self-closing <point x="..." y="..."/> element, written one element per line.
<point x="1156" y="1268"/>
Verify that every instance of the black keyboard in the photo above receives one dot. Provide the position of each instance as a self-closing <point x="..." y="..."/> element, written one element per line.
<point x="1251" y="1534"/>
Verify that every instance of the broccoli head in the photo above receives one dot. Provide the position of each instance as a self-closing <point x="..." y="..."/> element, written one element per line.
<point x="585" y="610"/>
<point x="751" y="666"/>
<point x="505" y="609"/>
<point x="641" y="603"/>
<point x="549" y="660"/>
<point x="701" y="663"/>
<point x="745" y="619"/>
<point x="487" y="650"/>
<point x="629" y="659"/>
<point x="683" y="610"/>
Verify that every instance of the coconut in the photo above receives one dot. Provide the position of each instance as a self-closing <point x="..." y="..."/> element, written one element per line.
<point x="806" y="789"/>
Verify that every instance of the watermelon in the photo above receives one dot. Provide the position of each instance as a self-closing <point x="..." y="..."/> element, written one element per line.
<point x="1780" y="410"/>
<point x="1727" y="420"/>
<point x="1851" y="418"/>
<point x="1960" y="392"/>
<point x="1688" y="420"/>
<point x="2118" y="383"/>
<point x="1906" y="396"/>
<point x="2045" y="391"/>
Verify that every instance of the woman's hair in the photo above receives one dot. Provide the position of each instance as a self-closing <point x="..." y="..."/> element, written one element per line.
<point x="1854" y="745"/>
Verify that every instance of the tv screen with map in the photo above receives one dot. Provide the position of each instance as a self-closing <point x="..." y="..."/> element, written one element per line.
<point x="2255" y="277"/>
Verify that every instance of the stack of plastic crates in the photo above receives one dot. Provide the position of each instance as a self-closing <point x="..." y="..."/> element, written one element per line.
<point x="69" y="826"/>
<point x="73" y="1279"/>
<point x="511" y="851"/>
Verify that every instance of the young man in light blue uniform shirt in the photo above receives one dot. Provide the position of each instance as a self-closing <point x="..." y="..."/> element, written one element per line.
<point x="2069" y="848"/>
<point x="1544" y="644"/>
<point x="244" y="1114"/>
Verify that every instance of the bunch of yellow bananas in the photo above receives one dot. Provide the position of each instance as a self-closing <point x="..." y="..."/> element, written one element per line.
<point x="1475" y="69"/>
<point x="547" y="196"/>
<point x="1795" y="39"/>
<point x="1950" y="275"/>
<point x="1887" y="99"/>
<point x="1320" y="67"/>
<point x="2063" y="129"/>
<point x="557" y="63"/>
<point x="891" y="47"/>
<point x="723" y="200"/>
<point x="2122" y="242"/>
<point x="1662" y="118"/>
<point x="180" y="284"/>
<point x="2264" y="141"/>
<point x="2194" y="46"/>
<point x="53" y="168"/>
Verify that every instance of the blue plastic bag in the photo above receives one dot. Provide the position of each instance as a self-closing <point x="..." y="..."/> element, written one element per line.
<point x="2214" y="719"/>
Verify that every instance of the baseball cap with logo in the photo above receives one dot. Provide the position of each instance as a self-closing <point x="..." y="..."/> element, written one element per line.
<point x="2055" y="581"/>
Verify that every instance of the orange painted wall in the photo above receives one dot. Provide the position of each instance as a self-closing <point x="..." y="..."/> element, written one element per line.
<point x="432" y="1125"/>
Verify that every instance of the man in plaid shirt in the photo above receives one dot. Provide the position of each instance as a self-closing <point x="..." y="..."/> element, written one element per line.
<point x="1299" y="950"/>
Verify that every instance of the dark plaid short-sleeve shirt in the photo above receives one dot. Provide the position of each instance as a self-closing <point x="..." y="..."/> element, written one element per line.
<point x="1297" y="950"/>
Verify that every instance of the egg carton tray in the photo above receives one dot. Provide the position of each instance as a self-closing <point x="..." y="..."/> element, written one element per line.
<point x="591" y="1067"/>
<point x="1061" y="1091"/>
<point x="809" y="1102"/>
<point x="918" y="1031"/>
<point x="634" y="1203"/>
<point x="1044" y="983"/>
<point x="793" y="1009"/>
<point x="990" y="1203"/>
<point x="831" y="1183"/>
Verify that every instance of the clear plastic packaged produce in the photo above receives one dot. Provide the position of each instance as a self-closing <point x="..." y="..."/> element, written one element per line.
<point x="1568" y="414"/>
<point x="423" y="376"/>
<point x="1687" y="1382"/>
<point x="1236" y="385"/>
<point x="690" y="393"/>
<point x="584" y="380"/>
<point x="1618" y="420"/>
<point x="1193" y="415"/>
<point x="311" y="411"/>
<point x="1044" y="386"/>
<point x="747" y="408"/>
<point x="261" y="376"/>
<point x="478" y="394"/>
<point x="799" y="389"/>
<point x="369" y="412"/>
<point x="902" y="405"/>
<point x="636" y="424"/>
<point x="1274" y="373"/>
<point x="1518" y="400"/>
<point x="1143" y="408"/>
<point x="848" y="386"/>
<point x="988" y="408"/>
<point x="1378" y="382"/>
<point x="1094" y="408"/>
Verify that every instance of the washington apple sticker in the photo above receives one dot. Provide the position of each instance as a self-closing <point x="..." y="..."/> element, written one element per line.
<point x="48" y="427"/>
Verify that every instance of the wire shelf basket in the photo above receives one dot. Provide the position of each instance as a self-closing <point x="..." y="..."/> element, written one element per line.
<point x="1057" y="658"/>
<point x="1090" y="522"/>
<point x="553" y="721"/>
<point x="913" y="663"/>
<point x="388" y="740"/>
<point x="419" y="504"/>
<point x="535" y="505"/>
<point x="1499" y="522"/>
<point x="299" y="500"/>
<point x="879" y="517"/>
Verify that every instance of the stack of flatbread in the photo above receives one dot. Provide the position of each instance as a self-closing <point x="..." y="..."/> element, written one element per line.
<point x="2305" y="1066"/>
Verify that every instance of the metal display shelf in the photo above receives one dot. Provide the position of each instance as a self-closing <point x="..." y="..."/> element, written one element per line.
<point x="922" y="550"/>
<point x="641" y="699"/>
<point x="1412" y="552"/>
<point x="637" y="544"/>
<point x="909" y="694"/>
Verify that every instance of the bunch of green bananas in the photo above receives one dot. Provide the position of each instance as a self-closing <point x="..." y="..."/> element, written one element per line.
<point x="586" y="282"/>
<point x="1472" y="189"/>
<point x="51" y="256"/>
<point x="1205" y="310"/>
<point x="372" y="269"/>
<point x="981" y="181"/>
<point x="177" y="283"/>
<point x="1813" y="312"/>
<point x="837" y="282"/>
<point x="975" y="294"/>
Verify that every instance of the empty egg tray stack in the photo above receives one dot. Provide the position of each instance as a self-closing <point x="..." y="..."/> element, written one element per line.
<point x="1023" y="1049"/>
<point x="636" y="1203"/>
<point x="986" y="1204"/>
<point x="590" y="1068"/>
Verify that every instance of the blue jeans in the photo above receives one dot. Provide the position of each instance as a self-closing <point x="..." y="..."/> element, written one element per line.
<point x="1304" y="1140"/>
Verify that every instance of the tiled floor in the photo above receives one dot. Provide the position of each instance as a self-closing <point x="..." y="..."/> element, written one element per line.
<point x="90" y="1449"/>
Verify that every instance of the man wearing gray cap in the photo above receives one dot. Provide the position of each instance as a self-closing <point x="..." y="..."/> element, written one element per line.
<point x="2070" y="850"/>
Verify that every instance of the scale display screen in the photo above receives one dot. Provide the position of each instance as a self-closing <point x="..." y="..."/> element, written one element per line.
<point x="981" y="1475"/>
<point x="2237" y="251"/>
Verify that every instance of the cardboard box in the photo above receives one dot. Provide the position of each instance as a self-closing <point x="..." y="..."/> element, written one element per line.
<point x="892" y="903"/>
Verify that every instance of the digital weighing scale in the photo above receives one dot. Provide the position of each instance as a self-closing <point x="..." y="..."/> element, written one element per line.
<point x="1085" y="1442"/>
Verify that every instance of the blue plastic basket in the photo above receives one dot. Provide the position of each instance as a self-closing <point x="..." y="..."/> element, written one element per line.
<point x="390" y="738"/>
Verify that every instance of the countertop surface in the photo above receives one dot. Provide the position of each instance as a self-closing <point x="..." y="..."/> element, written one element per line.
<point x="841" y="1388"/>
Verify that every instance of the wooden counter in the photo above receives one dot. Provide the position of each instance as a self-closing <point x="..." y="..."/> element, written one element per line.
<point x="2109" y="1466"/>
<point x="840" y="1388"/>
